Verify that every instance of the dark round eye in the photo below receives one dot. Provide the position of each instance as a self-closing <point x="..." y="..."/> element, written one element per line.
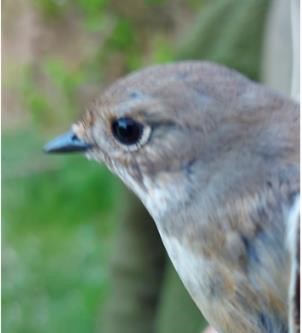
<point x="127" y="131"/>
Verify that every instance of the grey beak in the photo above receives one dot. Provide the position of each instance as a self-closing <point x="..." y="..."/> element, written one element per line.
<point x="67" y="143"/>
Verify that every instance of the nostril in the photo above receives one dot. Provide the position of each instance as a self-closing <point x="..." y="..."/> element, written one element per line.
<point x="68" y="142"/>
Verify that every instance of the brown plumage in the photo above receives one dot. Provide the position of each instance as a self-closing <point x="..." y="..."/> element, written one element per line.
<point x="215" y="159"/>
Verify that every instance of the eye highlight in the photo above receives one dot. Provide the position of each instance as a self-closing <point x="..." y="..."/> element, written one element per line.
<point x="127" y="131"/>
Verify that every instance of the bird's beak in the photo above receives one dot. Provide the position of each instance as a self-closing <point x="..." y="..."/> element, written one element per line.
<point x="67" y="143"/>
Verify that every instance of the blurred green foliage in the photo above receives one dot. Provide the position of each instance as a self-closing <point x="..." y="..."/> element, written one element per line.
<point x="91" y="9"/>
<point x="60" y="103"/>
<point x="58" y="219"/>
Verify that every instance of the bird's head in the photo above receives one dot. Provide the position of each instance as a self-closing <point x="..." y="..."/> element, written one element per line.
<point x="150" y="127"/>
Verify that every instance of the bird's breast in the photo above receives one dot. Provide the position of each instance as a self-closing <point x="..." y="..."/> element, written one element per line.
<point x="223" y="294"/>
<point x="204" y="279"/>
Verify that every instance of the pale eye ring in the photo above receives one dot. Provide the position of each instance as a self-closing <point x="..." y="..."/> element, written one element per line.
<point x="129" y="132"/>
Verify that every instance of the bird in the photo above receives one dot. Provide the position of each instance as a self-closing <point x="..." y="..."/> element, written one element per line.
<point x="214" y="157"/>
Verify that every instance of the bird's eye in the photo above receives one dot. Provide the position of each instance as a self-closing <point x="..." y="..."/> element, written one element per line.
<point x="127" y="131"/>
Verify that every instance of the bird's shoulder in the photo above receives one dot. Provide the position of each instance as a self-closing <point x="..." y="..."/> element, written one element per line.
<point x="243" y="244"/>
